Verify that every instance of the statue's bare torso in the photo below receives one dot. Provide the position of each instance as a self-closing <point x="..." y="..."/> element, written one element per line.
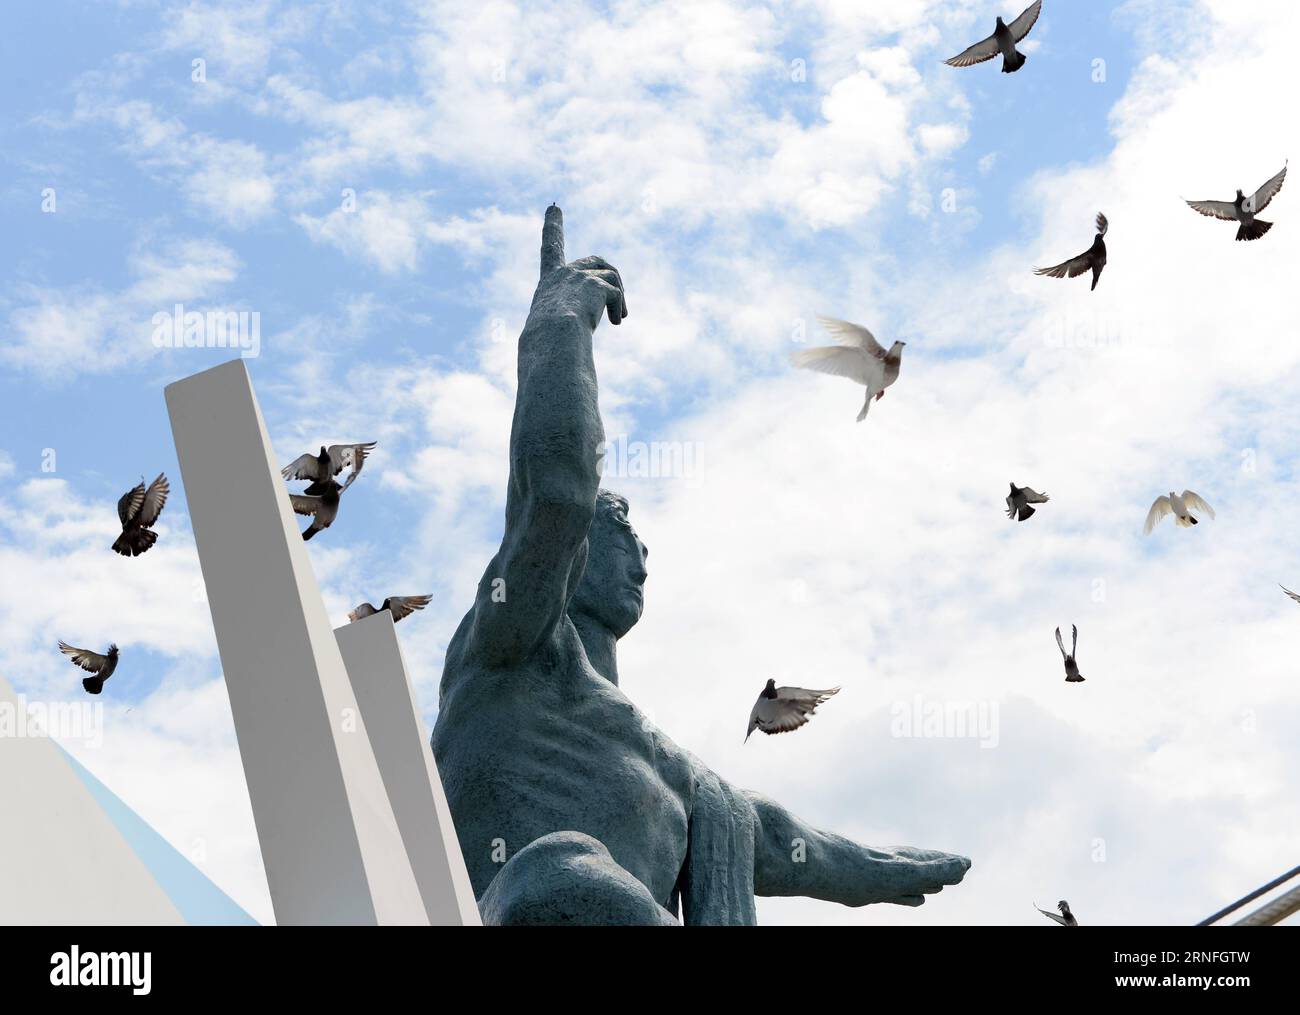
<point x="550" y="745"/>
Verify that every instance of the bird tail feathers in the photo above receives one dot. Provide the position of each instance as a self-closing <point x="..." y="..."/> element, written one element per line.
<point x="1013" y="63"/>
<point x="93" y="685"/>
<point x="1025" y="512"/>
<point x="1254" y="231"/>
<point x="310" y="531"/>
<point x="132" y="544"/>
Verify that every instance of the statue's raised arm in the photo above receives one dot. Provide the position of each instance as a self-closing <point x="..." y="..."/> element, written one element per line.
<point x="555" y="442"/>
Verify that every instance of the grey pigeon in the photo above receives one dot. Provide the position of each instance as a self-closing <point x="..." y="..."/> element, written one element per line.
<point x="859" y="357"/>
<point x="781" y="709"/>
<point x="1290" y="593"/>
<point x="321" y="502"/>
<point x="137" y="510"/>
<point x="1244" y="209"/>
<point x="1003" y="40"/>
<point x="329" y="463"/>
<point x="1093" y="259"/>
<point x="1019" y="500"/>
<point x="398" y="606"/>
<point x="1072" y="674"/>
<point x="1066" y="919"/>
<point x="102" y="666"/>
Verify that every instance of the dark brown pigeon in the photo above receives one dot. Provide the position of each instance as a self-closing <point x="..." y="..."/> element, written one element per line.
<point x="1003" y="40"/>
<point x="1094" y="258"/>
<point x="398" y="606"/>
<point x="321" y="502"/>
<point x="1020" y="499"/>
<point x="100" y="665"/>
<point x="138" y="509"/>
<point x="329" y="463"/>
<point x="1072" y="674"/>
<point x="1244" y="209"/>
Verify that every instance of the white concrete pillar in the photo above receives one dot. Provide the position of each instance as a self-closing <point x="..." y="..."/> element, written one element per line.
<point x="383" y="688"/>
<point x="330" y="842"/>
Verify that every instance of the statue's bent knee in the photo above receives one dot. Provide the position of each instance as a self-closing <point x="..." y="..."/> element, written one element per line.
<point x="568" y="877"/>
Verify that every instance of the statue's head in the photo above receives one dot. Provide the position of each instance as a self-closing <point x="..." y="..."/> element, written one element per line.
<point x="612" y="586"/>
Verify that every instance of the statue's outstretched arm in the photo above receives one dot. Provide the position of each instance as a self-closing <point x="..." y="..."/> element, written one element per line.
<point x="555" y="441"/>
<point x="792" y="858"/>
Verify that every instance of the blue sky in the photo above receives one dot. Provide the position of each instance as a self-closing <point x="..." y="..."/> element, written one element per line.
<point x="738" y="204"/>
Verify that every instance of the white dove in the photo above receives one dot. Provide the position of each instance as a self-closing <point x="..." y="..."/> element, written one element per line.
<point x="781" y="709"/>
<point x="1181" y="507"/>
<point x="859" y="357"/>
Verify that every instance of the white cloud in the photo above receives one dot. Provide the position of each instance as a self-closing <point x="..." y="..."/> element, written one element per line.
<point x="58" y="332"/>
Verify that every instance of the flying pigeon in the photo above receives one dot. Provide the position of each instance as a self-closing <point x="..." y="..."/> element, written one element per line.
<point x="1181" y="507"/>
<point x="398" y="606"/>
<point x="1093" y="258"/>
<point x="781" y="709"/>
<point x="1066" y="919"/>
<point x="138" y="509"/>
<point x="1072" y="674"/>
<point x="321" y="501"/>
<point x="100" y="665"/>
<point x="1244" y="209"/>
<point x="1020" y="499"/>
<point x="859" y="357"/>
<point x="1003" y="40"/>
<point x="1290" y="593"/>
<point x="329" y="463"/>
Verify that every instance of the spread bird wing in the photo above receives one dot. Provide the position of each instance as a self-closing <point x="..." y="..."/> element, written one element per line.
<point x="1060" y="644"/>
<point x="1072" y="268"/>
<point x="1074" y="640"/>
<point x="92" y="662"/>
<point x="1195" y="502"/>
<point x="404" y="606"/>
<point x="1290" y="593"/>
<point x="1012" y="507"/>
<point x="343" y="456"/>
<point x="1225" y="210"/>
<point x="1266" y="193"/>
<point x="1102" y="223"/>
<point x="1052" y="916"/>
<point x="1021" y="26"/>
<point x="304" y="503"/>
<point x="803" y="697"/>
<point x="841" y="361"/>
<point x="154" y="500"/>
<point x="985" y="49"/>
<point x="130" y="503"/>
<point x="1159" y="509"/>
<point x="1033" y="496"/>
<point x="361" y="612"/>
<point x="788" y="711"/>
<point x="302" y="467"/>
<point x="854" y="335"/>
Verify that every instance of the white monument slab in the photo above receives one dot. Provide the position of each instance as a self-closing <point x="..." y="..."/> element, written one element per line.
<point x="330" y="842"/>
<point x="383" y="688"/>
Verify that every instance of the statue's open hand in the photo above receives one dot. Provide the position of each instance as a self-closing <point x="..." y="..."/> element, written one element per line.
<point x="906" y="876"/>
<point x="585" y="287"/>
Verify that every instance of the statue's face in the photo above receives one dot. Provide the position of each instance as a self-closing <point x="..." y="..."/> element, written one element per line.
<point x="612" y="586"/>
